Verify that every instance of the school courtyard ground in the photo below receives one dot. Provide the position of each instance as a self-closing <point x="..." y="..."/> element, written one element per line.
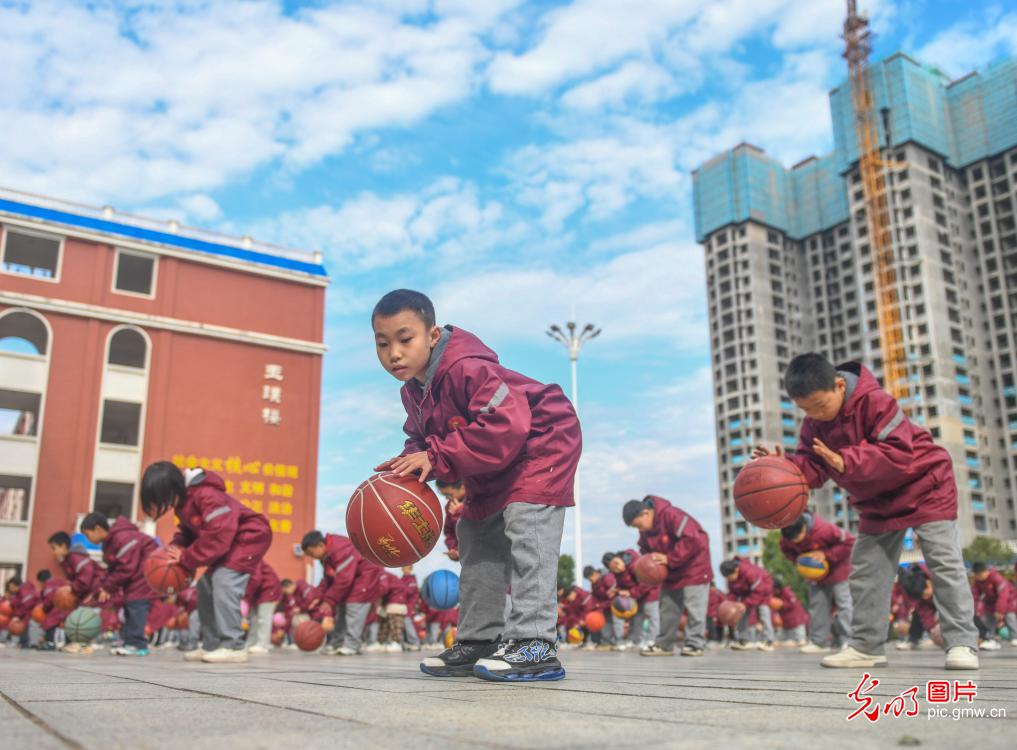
<point x="291" y="700"/>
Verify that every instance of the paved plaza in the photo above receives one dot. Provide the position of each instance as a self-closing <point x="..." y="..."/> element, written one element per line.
<point x="291" y="701"/>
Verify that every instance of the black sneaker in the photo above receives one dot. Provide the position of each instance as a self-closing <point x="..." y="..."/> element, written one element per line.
<point x="691" y="651"/>
<point x="458" y="661"/>
<point x="531" y="660"/>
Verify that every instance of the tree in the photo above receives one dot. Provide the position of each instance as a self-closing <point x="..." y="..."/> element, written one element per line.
<point x="566" y="571"/>
<point x="988" y="550"/>
<point x="780" y="567"/>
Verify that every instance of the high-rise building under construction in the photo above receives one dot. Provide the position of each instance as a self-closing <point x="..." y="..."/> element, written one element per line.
<point x="789" y="270"/>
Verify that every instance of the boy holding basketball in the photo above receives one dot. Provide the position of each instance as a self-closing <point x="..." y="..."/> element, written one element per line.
<point x="454" y="493"/>
<point x="675" y="539"/>
<point x="812" y="533"/>
<point x="82" y="572"/>
<point x="515" y="445"/>
<point x="753" y="587"/>
<point x="897" y="478"/>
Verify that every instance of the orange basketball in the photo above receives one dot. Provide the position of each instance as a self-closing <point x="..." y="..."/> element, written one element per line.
<point x="38" y="613"/>
<point x="64" y="599"/>
<point x="4" y="621"/>
<point x="776" y="603"/>
<point x="393" y="520"/>
<point x="771" y="492"/>
<point x="278" y="636"/>
<point x="650" y="572"/>
<point x="595" y="621"/>
<point x="730" y="613"/>
<point x="777" y="620"/>
<point x="5" y="608"/>
<point x="164" y="575"/>
<point x="308" y="636"/>
<point x="17" y="627"/>
<point x="183" y="621"/>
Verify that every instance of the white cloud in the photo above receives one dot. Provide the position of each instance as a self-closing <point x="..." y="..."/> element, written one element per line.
<point x="970" y="45"/>
<point x="201" y="207"/>
<point x="634" y="81"/>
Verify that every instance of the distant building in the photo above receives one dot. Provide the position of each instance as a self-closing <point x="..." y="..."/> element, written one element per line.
<point x="789" y="270"/>
<point x="125" y="341"/>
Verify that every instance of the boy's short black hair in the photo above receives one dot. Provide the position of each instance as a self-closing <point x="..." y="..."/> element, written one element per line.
<point x="979" y="567"/>
<point x="162" y="486"/>
<point x="12" y="581"/>
<point x="94" y="520"/>
<point x="402" y="300"/>
<point x="43" y="575"/>
<point x="312" y="539"/>
<point x="62" y="538"/>
<point x="588" y="571"/>
<point x="633" y="508"/>
<point x="913" y="581"/>
<point x="441" y="484"/>
<point x="728" y="567"/>
<point x="608" y="557"/>
<point x="794" y="529"/>
<point x="808" y="373"/>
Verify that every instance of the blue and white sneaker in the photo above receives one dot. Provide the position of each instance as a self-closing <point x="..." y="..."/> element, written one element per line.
<point x="531" y="660"/>
<point x="129" y="651"/>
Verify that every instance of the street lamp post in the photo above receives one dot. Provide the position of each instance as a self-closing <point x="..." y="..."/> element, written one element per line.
<point x="573" y="342"/>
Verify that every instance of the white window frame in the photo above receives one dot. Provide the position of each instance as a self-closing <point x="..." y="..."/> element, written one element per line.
<point x="32" y="233"/>
<point x="116" y="271"/>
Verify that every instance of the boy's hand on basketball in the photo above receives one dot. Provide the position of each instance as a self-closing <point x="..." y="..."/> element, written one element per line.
<point x="414" y="462"/>
<point x="174" y="553"/>
<point x="761" y="450"/>
<point x="103" y="596"/>
<point x="659" y="557"/>
<point x="385" y="465"/>
<point x="831" y="457"/>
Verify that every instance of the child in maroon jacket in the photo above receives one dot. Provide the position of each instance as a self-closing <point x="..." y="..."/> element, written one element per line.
<point x="23" y="597"/>
<point x="603" y="586"/>
<point x="515" y="444"/>
<point x="454" y="494"/>
<point x="350" y="584"/>
<point x="412" y="638"/>
<point x="753" y="587"/>
<point x="812" y="533"/>
<point x="215" y="531"/>
<point x="675" y="539"/>
<point x="83" y="574"/>
<point x="124" y="550"/>
<point x="996" y="596"/>
<point x="917" y="588"/>
<point x="262" y="595"/>
<point x="645" y="626"/>
<point x="793" y="616"/>
<point x="896" y="477"/>
<point x="54" y="616"/>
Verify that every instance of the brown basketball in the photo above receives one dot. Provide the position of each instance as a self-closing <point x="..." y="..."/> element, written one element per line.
<point x="64" y="599"/>
<point x="38" y="613"/>
<point x="5" y="608"/>
<point x="393" y="520"/>
<point x="730" y="613"/>
<point x="771" y="492"/>
<point x="308" y="636"/>
<point x="278" y="636"/>
<point x="183" y="621"/>
<point x="17" y="627"/>
<point x="164" y="575"/>
<point x="649" y="571"/>
<point x="4" y="621"/>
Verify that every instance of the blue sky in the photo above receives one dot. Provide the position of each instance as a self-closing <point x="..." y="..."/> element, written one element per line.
<point x="516" y="161"/>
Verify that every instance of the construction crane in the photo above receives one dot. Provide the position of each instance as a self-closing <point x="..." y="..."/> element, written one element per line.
<point x="873" y="169"/>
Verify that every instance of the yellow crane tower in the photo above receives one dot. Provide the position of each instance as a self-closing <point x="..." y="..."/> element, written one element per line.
<point x="872" y="168"/>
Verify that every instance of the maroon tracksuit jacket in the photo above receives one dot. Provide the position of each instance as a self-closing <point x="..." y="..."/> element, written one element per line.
<point x="449" y="528"/>
<point x="627" y="580"/>
<point x="995" y="593"/>
<point x="83" y="573"/>
<point x="54" y="616"/>
<point x="348" y="575"/>
<point x="832" y="540"/>
<point x="25" y="600"/>
<point x="604" y="591"/>
<point x="679" y="536"/>
<point x="753" y="586"/>
<point x="506" y="436"/>
<point x="896" y="477"/>
<point x="124" y="551"/>
<point x="792" y="612"/>
<point x="263" y="585"/>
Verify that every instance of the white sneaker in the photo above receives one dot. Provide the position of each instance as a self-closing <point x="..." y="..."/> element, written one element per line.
<point x="393" y="648"/>
<point x="71" y="648"/>
<point x="989" y="645"/>
<point x="814" y="648"/>
<point x="374" y="648"/>
<point x="1013" y="642"/>
<point x="764" y="646"/>
<point x="225" y="656"/>
<point x="344" y="651"/>
<point x="257" y="651"/>
<point x="962" y="657"/>
<point x="195" y="654"/>
<point x="904" y="645"/>
<point x="852" y="658"/>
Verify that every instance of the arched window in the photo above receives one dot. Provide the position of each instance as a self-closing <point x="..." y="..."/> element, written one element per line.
<point x="128" y="348"/>
<point x="23" y="332"/>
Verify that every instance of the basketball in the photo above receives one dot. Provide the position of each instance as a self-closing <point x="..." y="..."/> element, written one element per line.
<point x="771" y="492"/>
<point x="308" y="636"/>
<point x="278" y="636"/>
<point x="574" y="636"/>
<point x="183" y="621"/>
<point x="812" y="566"/>
<point x="624" y="607"/>
<point x="450" y="636"/>
<point x="17" y="627"/>
<point x="82" y="625"/>
<point x="163" y="575"/>
<point x="730" y="613"/>
<point x="777" y="620"/>
<point x="594" y="622"/>
<point x="64" y="599"/>
<point x="441" y="590"/>
<point x="393" y="520"/>
<point x="278" y="620"/>
<point x="38" y="613"/>
<point x="650" y="572"/>
<point x="5" y="608"/>
<point x="776" y="603"/>
<point x="4" y="621"/>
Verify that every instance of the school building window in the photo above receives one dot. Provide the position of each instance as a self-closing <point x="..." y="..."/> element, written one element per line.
<point x="134" y="274"/>
<point x="19" y="413"/>
<point x="121" y="421"/>
<point x="113" y="499"/>
<point x="31" y="254"/>
<point x="14" y="494"/>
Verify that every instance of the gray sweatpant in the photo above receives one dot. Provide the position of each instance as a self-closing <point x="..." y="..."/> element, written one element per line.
<point x="1010" y="620"/>
<point x="349" y="625"/>
<point x="690" y="599"/>
<point x="515" y="547"/>
<point x="261" y="625"/>
<point x="874" y="561"/>
<point x="190" y="638"/>
<point x="765" y="618"/>
<point x="412" y="636"/>
<point x="822" y="598"/>
<point x="797" y="633"/>
<point x="219" y="596"/>
<point x="645" y="634"/>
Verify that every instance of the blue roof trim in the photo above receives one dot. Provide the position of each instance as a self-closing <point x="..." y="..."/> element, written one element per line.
<point x="162" y="238"/>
